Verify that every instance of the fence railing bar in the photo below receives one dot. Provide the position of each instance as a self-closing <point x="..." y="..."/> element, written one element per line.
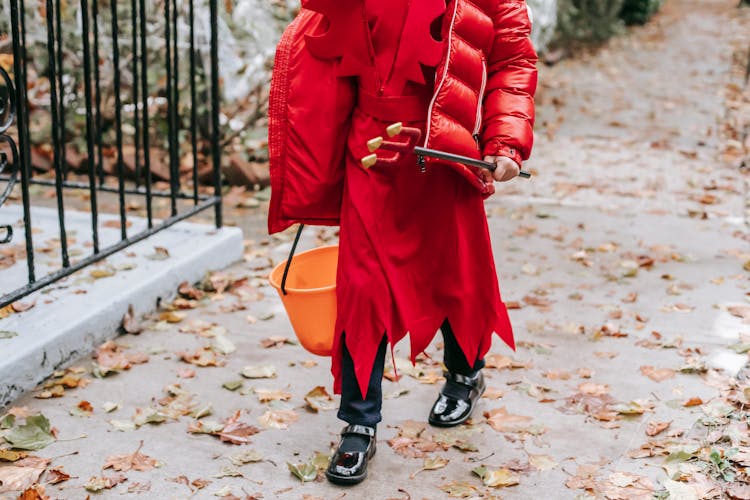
<point x="19" y="63"/>
<point x="145" y="128"/>
<point x="60" y="86"/>
<point x="97" y="80"/>
<point x="118" y="119"/>
<point x="170" y="100"/>
<point x="77" y="266"/>
<point x="215" y="110"/>
<point x="193" y="105"/>
<point x="141" y="190"/>
<point x="54" y="108"/>
<point x="176" y="95"/>
<point x="136" y="125"/>
<point x="89" y="124"/>
<point x="24" y="124"/>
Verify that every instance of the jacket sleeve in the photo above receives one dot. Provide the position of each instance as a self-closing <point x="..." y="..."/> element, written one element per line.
<point x="511" y="83"/>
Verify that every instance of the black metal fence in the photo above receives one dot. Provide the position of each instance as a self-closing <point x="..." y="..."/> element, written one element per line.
<point x="190" y="130"/>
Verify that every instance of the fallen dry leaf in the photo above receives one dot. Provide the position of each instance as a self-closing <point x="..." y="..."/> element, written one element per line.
<point x="655" y="428"/>
<point x="657" y="374"/>
<point x="502" y="421"/>
<point x="459" y="489"/>
<point x="542" y="462"/>
<point x="129" y="322"/>
<point x="135" y="461"/>
<point x="105" y="482"/>
<point x="236" y="432"/>
<point x="497" y="478"/>
<point x="319" y="399"/>
<point x="254" y="371"/>
<point x="36" y="492"/>
<point x="22" y="474"/>
<point x="626" y="486"/>
<point x="275" y="341"/>
<point x="57" y="475"/>
<point x="267" y="395"/>
<point x="431" y="463"/>
<point x="202" y="356"/>
<point x="278" y="419"/>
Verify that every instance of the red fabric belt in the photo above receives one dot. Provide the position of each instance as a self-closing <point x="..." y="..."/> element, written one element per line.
<point x="410" y="108"/>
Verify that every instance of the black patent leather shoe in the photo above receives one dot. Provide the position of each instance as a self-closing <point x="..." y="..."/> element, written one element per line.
<point x="449" y="411"/>
<point x="350" y="467"/>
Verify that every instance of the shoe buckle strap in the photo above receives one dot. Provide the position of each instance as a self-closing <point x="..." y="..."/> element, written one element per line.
<point x="462" y="379"/>
<point x="362" y="430"/>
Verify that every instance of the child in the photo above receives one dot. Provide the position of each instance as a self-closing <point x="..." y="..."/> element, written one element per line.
<point x="414" y="251"/>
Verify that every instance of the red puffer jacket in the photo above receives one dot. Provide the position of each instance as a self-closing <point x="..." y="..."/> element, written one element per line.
<point x="482" y="104"/>
<point x="485" y="84"/>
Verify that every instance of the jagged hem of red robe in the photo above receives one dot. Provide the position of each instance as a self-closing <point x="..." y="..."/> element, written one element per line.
<point x="363" y="336"/>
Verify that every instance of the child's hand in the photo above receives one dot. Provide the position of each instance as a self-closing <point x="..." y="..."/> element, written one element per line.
<point x="506" y="170"/>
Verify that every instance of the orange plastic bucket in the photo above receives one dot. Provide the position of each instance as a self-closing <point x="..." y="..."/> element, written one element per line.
<point x="310" y="299"/>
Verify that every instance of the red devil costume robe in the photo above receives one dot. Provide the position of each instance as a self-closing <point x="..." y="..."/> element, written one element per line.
<point x="414" y="243"/>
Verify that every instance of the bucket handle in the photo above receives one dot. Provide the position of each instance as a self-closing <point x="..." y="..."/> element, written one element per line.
<point x="289" y="260"/>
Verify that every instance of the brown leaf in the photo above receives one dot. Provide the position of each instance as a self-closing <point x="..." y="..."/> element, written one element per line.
<point x="500" y="362"/>
<point x="493" y="393"/>
<point x="502" y="421"/>
<point x="56" y="391"/>
<point x="584" y="478"/>
<point x="536" y="301"/>
<point x="278" y="419"/>
<point x="268" y="395"/>
<point x="190" y="292"/>
<point x="21" y="475"/>
<point x="275" y="341"/>
<point x="11" y="455"/>
<point x="203" y="356"/>
<point x="111" y="358"/>
<point x="104" y="482"/>
<point x="542" y="462"/>
<point x="459" y="489"/>
<point x="19" y="306"/>
<point x="160" y="253"/>
<point x="593" y="389"/>
<point x="140" y="487"/>
<point x="557" y="375"/>
<point x="657" y="374"/>
<point x="740" y="311"/>
<point x="36" y="492"/>
<point x="171" y="316"/>
<point x="693" y="402"/>
<point x="135" y="461"/>
<point x="738" y="491"/>
<point x="655" y="428"/>
<point x="57" y="475"/>
<point x="319" y="399"/>
<point x="626" y="486"/>
<point x="129" y="322"/>
<point x="236" y="432"/>
<point x="199" y="484"/>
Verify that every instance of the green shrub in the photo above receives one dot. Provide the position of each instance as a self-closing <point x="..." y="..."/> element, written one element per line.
<point x="588" y="22"/>
<point x="639" y="11"/>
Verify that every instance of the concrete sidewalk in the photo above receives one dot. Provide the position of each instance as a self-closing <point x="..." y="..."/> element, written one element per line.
<point x="624" y="261"/>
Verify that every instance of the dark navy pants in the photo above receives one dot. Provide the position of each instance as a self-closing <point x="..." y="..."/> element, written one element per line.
<point x="354" y="409"/>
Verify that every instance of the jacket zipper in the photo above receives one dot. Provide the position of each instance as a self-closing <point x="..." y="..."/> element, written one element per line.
<point x="478" y="123"/>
